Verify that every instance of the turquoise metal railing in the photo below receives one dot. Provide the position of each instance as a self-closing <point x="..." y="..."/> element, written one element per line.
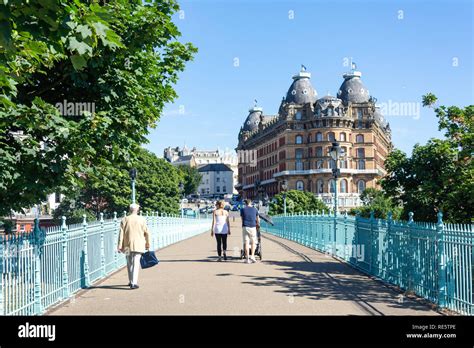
<point x="433" y="260"/>
<point x="42" y="268"/>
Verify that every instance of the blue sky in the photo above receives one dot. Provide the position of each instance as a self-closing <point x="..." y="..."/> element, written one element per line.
<point x="404" y="49"/>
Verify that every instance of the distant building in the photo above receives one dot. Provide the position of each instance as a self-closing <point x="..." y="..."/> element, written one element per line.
<point x="217" y="179"/>
<point x="198" y="158"/>
<point x="293" y="146"/>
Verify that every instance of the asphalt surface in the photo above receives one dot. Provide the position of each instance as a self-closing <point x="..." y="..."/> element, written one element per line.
<point x="290" y="280"/>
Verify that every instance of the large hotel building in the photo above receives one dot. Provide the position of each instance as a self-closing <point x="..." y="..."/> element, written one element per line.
<point x="293" y="146"/>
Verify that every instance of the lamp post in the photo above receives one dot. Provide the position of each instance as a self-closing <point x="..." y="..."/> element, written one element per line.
<point x="133" y="175"/>
<point x="181" y="191"/>
<point x="335" y="152"/>
<point x="284" y="187"/>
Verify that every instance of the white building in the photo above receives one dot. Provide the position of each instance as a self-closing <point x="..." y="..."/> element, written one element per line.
<point x="217" y="179"/>
<point x="199" y="158"/>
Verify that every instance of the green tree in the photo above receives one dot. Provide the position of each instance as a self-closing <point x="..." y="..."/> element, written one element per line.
<point x="439" y="176"/>
<point x="378" y="202"/>
<point x="191" y="178"/>
<point x="296" y="202"/>
<point x="157" y="184"/>
<point x="109" y="191"/>
<point x="120" y="57"/>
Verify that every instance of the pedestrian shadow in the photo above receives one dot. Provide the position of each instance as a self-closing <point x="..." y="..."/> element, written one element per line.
<point x="110" y="287"/>
<point x="212" y="259"/>
<point x="331" y="280"/>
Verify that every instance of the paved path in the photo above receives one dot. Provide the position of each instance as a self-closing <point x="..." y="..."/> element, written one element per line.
<point x="291" y="279"/>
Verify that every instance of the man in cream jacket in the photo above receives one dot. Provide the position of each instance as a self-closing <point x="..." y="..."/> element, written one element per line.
<point x="134" y="239"/>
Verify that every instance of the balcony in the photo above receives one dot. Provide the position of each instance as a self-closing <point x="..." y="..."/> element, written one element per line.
<point x="344" y="200"/>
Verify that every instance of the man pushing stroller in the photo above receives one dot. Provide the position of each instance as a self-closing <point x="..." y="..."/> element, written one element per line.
<point x="250" y="223"/>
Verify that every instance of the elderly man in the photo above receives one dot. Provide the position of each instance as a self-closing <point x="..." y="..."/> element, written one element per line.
<point x="134" y="239"/>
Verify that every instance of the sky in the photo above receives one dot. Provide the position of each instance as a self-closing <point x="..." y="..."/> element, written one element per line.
<point x="250" y="49"/>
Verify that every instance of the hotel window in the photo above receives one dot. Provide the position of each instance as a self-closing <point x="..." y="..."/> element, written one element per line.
<point x="330" y="111"/>
<point x="300" y="185"/>
<point x="342" y="137"/>
<point x="343" y="186"/>
<point x="224" y="189"/>
<point x="361" y="153"/>
<point x="319" y="137"/>
<point x="320" y="186"/>
<point x="298" y="115"/>
<point x="359" y="118"/>
<point x="218" y="179"/>
<point x="319" y="164"/>
<point x="299" y="139"/>
<point x="319" y="151"/>
<point x="332" y="164"/>
<point x="361" y="164"/>
<point x="359" y="138"/>
<point x="218" y="189"/>
<point x="299" y="157"/>
<point x="360" y="186"/>
<point x="331" y="136"/>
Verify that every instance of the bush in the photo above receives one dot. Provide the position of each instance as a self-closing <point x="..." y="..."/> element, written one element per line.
<point x="296" y="202"/>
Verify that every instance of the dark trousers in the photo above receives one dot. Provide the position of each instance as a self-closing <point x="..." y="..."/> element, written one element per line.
<point x="221" y="243"/>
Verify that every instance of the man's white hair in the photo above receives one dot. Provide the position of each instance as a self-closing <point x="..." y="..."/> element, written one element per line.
<point x="134" y="207"/>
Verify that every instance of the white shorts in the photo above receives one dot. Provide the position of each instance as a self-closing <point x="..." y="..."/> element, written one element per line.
<point x="249" y="234"/>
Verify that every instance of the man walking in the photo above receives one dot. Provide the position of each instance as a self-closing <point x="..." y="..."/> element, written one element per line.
<point x="134" y="238"/>
<point x="250" y="222"/>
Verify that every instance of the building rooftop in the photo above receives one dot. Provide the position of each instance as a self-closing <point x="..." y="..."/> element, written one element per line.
<point x="215" y="167"/>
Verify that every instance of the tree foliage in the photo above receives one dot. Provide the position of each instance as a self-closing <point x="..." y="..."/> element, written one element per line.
<point x="107" y="191"/>
<point x="120" y="57"/>
<point x="378" y="202"/>
<point x="191" y="178"/>
<point x="439" y="176"/>
<point x="296" y="202"/>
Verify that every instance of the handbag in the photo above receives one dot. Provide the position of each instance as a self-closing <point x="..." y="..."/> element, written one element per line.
<point x="148" y="259"/>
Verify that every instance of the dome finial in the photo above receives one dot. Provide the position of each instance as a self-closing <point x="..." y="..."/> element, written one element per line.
<point x="303" y="68"/>
<point x="353" y="65"/>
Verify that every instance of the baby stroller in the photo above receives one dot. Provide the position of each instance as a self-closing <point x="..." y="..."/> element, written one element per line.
<point x="258" y="247"/>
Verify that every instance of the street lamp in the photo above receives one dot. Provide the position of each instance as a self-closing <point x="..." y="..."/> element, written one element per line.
<point x="133" y="175"/>
<point x="284" y="187"/>
<point x="260" y="190"/>
<point x="335" y="152"/>
<point x="181" y="191"/>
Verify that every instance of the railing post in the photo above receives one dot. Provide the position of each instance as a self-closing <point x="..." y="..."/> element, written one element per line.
<point x="102" y="245"/>
<point x="87" y="280"/>
<point x="65" y="279"/>
<point x="356" y="237"/>
<point x="334" y="249"/>
<point x="345" y="248"/>
<point x="388" y="269"/>
<point x="409" y="259"/>
<point x="115" y="241"/>
<point x="38" y="237"/>
<point x="371" y="245"/>
<point x="441" y="262"/>
<point x="2" y="257"/>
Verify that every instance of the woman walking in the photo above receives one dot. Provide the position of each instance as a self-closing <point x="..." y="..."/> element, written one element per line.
<point x="221" y="228"/>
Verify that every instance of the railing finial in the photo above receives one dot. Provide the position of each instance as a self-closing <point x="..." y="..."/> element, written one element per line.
<point x="440" y="218"/>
